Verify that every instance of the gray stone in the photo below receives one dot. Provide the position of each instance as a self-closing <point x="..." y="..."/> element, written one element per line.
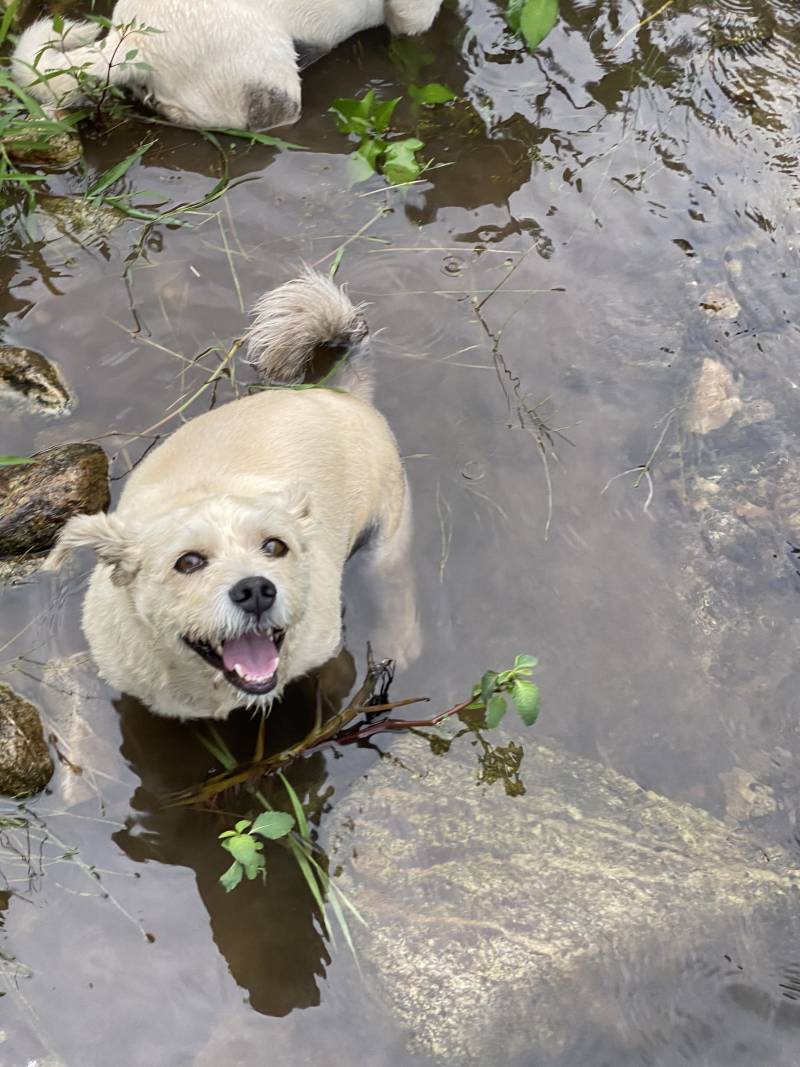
<point x="27" y="378"/>
<point x="36" y="499"/>
<point x="25" y="763"/>
<point x="487" y="914"/>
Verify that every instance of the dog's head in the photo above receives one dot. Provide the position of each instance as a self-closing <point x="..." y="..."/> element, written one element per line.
<point x="223" y="582"/>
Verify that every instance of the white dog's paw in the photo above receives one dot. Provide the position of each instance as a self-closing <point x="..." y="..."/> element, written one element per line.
<point x="410" y="16"/>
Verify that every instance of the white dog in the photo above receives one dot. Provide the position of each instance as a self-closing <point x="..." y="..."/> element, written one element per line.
<point x="221" y="568"/>
<point x="201" y="62"/>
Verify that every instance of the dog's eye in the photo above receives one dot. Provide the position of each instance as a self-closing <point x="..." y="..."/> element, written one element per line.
<point x="274" y="548"/>
<point x="190" y="561"/>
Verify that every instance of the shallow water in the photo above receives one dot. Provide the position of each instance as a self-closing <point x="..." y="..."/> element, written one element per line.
<point x="591" y="196"/>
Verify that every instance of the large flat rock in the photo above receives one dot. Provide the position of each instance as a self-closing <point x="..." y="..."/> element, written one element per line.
<point x="488" y="915"/>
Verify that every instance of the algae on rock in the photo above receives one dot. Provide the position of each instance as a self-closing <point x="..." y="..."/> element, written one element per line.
<point x="25" y="763"/>
<point x="36" y="499"/>
<point x="28" y="379"/>
<point x="485" y="914"/>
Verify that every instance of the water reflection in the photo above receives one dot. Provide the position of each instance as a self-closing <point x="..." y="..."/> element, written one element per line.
<point x="270" y="935"/>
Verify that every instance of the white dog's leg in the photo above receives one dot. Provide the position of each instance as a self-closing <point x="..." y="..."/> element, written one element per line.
<point x="396" y="630"/>
<point x="411" y="16"/>
<point x="50" y="64"/>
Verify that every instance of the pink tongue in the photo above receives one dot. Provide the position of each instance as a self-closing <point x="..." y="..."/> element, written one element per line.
<point x="255" y="654"/>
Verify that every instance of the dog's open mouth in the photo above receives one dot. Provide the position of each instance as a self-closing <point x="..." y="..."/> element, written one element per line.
<point x="249" y="662"/>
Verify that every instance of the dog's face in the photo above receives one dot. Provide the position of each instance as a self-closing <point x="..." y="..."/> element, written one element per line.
<point x="222" y="584"/>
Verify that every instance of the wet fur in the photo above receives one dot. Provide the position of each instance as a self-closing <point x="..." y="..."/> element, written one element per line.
<point x="211" y="65"/>
<point x="315" y="468"/>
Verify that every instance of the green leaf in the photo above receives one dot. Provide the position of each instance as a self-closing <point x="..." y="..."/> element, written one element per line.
<point x="252" y="870"/>
<point x="381" y="116"/>
<point x="130" y="56"/>
<point x="273" y="824"/>
<point x="514" y="13"/>
<point x="495" y="710"/>
<point x="431" y="94"/>
<point x="259" y="138"/>
<point x="370" y="150"/>
<point x="15" y="461"/>
<point x="487" y="685"/>
<point x="241" y="826"/>
<point x="525" y="696"/>
<point x="118" y="171"/>
<point x="352" y="116"/>
<point x="297" y="807"/>
<point x="536" y="20"/>
<point x="242" y="847"/>
<point x="525" y="664"/>
<point x="400" y="163"/>
<point x="8" y="17"/>
<point x="231" y="878"/>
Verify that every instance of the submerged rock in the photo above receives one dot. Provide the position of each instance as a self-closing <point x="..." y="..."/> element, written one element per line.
<point x="52" y="151"/>
<point x="36" y="499"/>
<point x="81" y="221"/>
<point x="714" y="399"/>
<point x="493" y="921"/>
<point x="25" y="763"/>
<point x="28" y="378"/>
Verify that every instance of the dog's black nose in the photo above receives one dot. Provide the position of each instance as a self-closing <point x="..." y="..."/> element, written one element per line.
<point x="253" y="595"/>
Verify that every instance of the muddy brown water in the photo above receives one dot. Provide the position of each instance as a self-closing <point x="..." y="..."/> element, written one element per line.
<point x="603" y="187"/>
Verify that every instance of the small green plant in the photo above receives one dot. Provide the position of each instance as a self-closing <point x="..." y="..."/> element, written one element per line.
<point x="532" y="20"/>
<point x="380" y="150"/>
<point x="15" y="461"/>
<point x="247" y="850"/>
<point x="489" y="696"/>
<point x="495" y="687"/>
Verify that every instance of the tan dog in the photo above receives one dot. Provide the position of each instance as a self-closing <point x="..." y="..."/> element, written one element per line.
<point x="220" y="571"/>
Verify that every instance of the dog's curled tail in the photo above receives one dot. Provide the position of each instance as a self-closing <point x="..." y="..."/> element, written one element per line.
<point x="297" y="319"/>
<point x="49" y="62"/>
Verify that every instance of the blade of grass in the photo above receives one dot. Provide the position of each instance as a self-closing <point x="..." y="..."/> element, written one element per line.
<point x="302" y="860"/>
<point x="297" y="808"/>
<point x="118" y="170"/>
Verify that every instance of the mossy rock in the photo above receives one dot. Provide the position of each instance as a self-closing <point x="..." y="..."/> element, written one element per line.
<point x="33" y="149"/>
<point x="30" y="380"/>
<point x="496" y="925"/>
<point x="84" y="222"/>
<point x="36" y="499"/>
<point x="25" y="763"/>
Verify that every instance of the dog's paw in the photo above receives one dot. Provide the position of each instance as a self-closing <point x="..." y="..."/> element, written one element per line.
<point x="409" y="17"/>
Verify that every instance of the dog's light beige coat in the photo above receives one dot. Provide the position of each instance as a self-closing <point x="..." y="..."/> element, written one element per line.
<point x="315" y="470"/>
<point x="201" y="62"/>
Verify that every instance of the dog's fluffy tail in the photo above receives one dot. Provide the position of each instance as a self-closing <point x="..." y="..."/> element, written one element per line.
<point x="295" y="320"/>
<point x="48" y="62"/>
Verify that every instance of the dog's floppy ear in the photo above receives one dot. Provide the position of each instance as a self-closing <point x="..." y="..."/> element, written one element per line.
<point x="298" y="504"/>
<point x="108" y="536"/>
<point x="296" y="501"/>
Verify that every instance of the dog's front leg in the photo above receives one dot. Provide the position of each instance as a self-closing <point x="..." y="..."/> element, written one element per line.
<point x="410" y="16"/>
<point x="395" y="632"/>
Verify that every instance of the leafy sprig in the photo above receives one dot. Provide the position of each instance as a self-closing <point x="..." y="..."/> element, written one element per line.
<point x="247" y="851"/>
<point x="496" y="687"/>
<point x="380" y="151"/>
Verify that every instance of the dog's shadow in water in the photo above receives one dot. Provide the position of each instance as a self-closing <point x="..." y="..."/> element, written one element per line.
<point x="268" y="933"/>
